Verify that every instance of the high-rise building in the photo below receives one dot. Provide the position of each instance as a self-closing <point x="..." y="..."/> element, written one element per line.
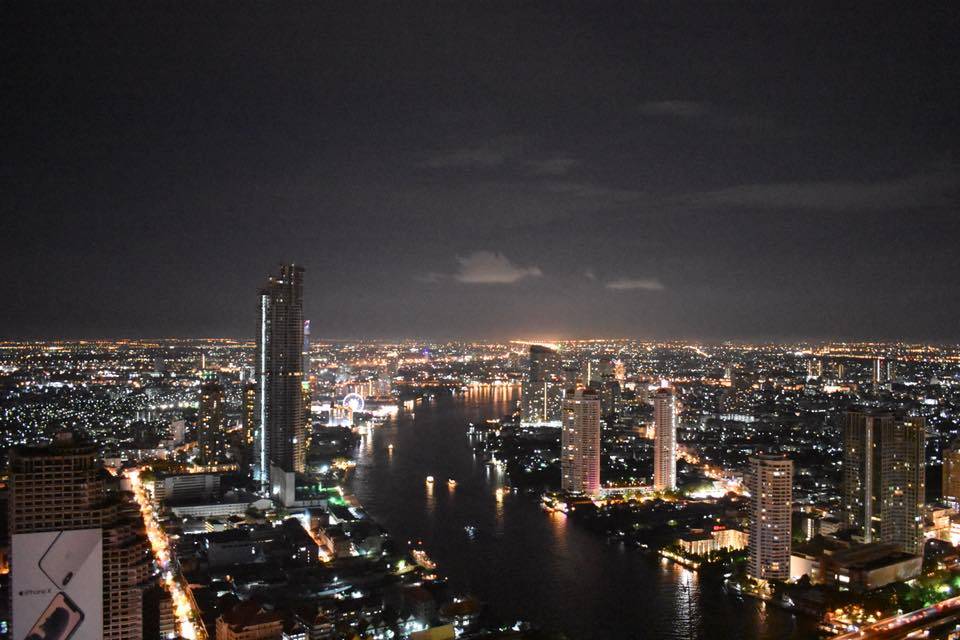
<point x="891" y="370"/>
<point x="814" y="368"/>
<point x="771" y="501"/>
<point x="61" y="491"/>
<point x="603" y="369"/>
<point x="212" y="422"/>
<point x="580" y="441"/>
<point x="878" y="370"/>
<point x="951" y="473"/>
<point x="571" y="377"/>
<point x="840" y="371"/>
<point x="620" y="371"/>
<point x="883" y="479"/>
<point x="279" y="370"/>
<point x="664" y="440"/>
<point x="860" y="480"/>
<point x="904" y="483"/>
<point x="249" y="414"/>
<point x="543" y="388"/>
<point x="609" y="395"/>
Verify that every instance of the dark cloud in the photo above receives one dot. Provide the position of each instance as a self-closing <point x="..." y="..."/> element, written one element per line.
<point x="162" y="160"/>
<point x="677" y="109"/>
<point x="487" y="267"/>
<point x="635" y="284"/>
<point x="939" y="189"/>
<point x="554" y="166"/>
<point x="706" y="113"/>
<point x="483" y="155"/>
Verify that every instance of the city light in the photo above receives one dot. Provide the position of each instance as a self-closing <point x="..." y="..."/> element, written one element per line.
<point x="183" y="609"/>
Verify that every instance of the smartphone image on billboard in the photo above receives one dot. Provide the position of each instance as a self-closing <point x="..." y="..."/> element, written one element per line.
<point x="58" y="621"/>
<point x="65" y="556"/>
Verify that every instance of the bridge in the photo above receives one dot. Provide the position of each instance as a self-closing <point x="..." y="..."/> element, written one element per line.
<point x="915" y="624"/>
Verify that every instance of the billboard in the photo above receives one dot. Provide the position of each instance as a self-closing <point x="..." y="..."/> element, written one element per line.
<point x="57" y="585"/>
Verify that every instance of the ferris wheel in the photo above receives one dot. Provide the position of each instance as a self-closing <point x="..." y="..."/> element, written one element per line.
<point x="353" y="401"/>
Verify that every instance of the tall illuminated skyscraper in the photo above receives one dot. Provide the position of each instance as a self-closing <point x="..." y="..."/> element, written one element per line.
<point x="664" y="440"/>
<point x="543" y="388"/>
<point x="279" y="372"/>
<point x="883" y="477"/>
<point x="580" y="442"/>
<point x="771" y="504"/>
<point x="212" y="422"/>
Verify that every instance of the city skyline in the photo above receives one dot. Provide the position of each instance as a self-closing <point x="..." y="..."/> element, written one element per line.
<point x="652" y="171"/>
<point x="725" y="473"/>
<point x="480" y="321"/>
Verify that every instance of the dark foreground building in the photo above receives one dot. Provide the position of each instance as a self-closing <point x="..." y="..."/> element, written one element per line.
<point x="63" y="488"/>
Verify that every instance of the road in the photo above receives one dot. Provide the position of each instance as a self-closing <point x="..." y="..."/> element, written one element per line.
<point x="902" y="625"/>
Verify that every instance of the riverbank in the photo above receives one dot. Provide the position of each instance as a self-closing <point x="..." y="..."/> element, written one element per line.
<point x="523" y="562"/>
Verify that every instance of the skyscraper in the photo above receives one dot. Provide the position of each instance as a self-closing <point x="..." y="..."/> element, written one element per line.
<point x="904" y="482"/>
<point x="664" y="440"/>
<point x="580" y="442"/>
<point x="609" y="395"/>
<point x="891" y="370"/>
<point x="61" y="489"/>
<point x="883" y="479"/>
<point x="543" y="388"/>
<point x="878" y="370"/>
<point x="951" y="473"/>
<point x="279" y="370"/>
<point x="212" y="422"/>
<point x="771" y="502"/>
<point x="860" y="480"/>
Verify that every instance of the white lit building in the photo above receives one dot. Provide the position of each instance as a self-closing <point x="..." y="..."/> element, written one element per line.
<point x="771" y="502"/>
<point x="664" y="440"/>
<point x="580" y="459"/>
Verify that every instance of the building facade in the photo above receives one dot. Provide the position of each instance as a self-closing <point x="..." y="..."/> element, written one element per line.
<point x="771" y="505"/>
<point x="580" y="442"/>
<point x="211" y="423"/>
<point x="281" y="424"/>
<point x="543" y="387"/>
<point x="62" y="487"/>
<point x="249" y="427"/>
<point x="951" y="473"/>
<point x="903" y="477"/>
<point x="883" y="480"/>
<point x="664" y="440"/>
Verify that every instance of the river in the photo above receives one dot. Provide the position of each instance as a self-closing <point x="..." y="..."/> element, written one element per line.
<point x="525" y="563"/>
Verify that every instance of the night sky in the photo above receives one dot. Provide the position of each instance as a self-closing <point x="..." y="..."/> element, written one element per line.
<point x="694" y="170"/>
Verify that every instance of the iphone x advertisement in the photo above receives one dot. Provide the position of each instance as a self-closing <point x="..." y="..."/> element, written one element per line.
<point x="57" y="583"/>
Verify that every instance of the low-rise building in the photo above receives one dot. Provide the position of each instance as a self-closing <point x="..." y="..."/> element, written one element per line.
<point x="249" y="621"/>
<point x="701" y="543"/>
<point x="186" y="486"/>
<point x="859" y="567"/>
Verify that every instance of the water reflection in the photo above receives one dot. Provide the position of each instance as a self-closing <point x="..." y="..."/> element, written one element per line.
<point x="430" y="502"/>
<point x="523" y="562"/>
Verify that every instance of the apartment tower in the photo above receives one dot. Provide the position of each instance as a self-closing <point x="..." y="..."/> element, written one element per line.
<point x="664" y="440"/>
<point x="580" y="442"/>
<point x="771" y="502"/>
